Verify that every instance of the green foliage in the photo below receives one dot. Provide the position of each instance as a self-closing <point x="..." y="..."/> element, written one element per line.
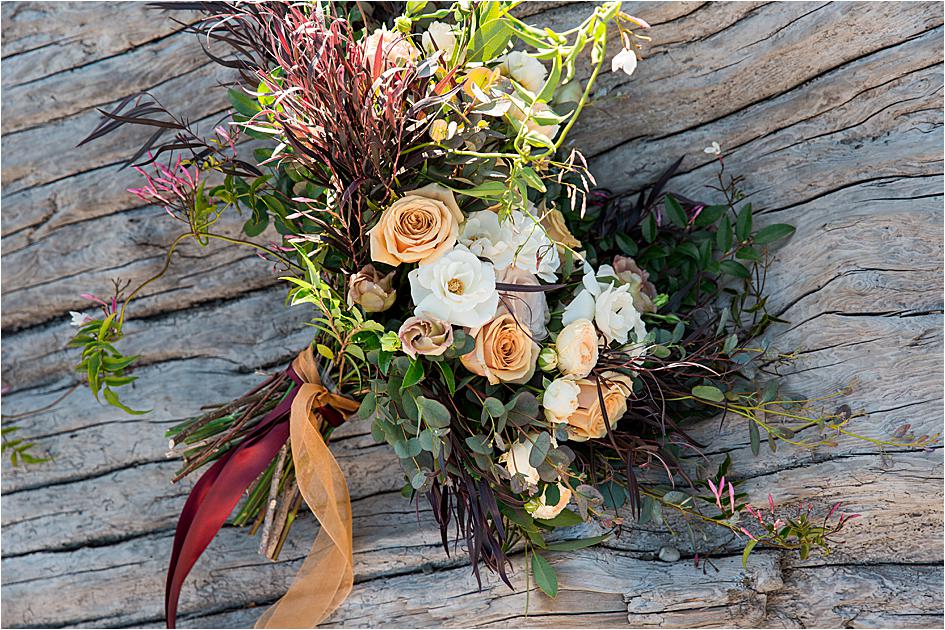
<point x="19" y="450"/>
<point x="103" y="365"/>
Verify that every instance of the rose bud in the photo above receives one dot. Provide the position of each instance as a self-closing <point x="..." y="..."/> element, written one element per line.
<point x="642" y="290"/>
<point x="371" y="291"/>
<point x="420" y="335"/>
<point x="547" y="359"/>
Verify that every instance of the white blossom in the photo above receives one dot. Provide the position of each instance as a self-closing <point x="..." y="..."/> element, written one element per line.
<point x="525" y="69"/>
<point x="625" y="60"/>
<point x="560" y="399"/>
<point x="457" y="288"/>
<point x="608" y="304"/>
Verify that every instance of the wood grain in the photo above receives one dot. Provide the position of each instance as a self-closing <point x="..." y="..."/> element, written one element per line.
<point x="831" y="111"/>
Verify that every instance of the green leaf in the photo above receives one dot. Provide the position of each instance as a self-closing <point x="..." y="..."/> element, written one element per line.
<point x="539" y="449"/>
<point x="674" y="211"/>
<point x="566" y="518"/>
<point x="734" y="268"/>
<point x="545" y="576"/>
<point x="448" y="376"/>
<point x="772" y="233"/>
<point x="751" y="545"/>
<point x="743" y="223"/>
<point x="708" y="392"/>
<point x="112" y="399"/>
<point x="490" y="39"/>
<point x="649" y="228"/>
<point x="754" y="437"/>
<point x="709" y="215"/>
<point x="479" y="444"/>
<point x="579" y="543"/>
<point x="414" y="374"/>
<point x="626" y="244"/>
<point x="433" y="412"/>
<point x="723" y="237"/>
<point x="614" y="494"/>
<point x="325" y="351"/>
<point x="243" y="103"/>
<point x="730" y="342"/>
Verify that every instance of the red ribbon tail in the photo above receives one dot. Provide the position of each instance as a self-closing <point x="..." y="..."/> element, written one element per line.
<point x="217" y="492"/>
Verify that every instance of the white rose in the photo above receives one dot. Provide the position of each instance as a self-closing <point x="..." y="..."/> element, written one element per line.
<point x="577" y="348"/>
<point x="439" y="36"/>
<point x="457" y="288"/>
<point x="535" y="252"/>
<point x="616" y="315"/>
<point x="560" y="400"/>
<point x="485" y="237"/>
<point x="611" y="307"/>
<point x="525" y="69"/>
<point x="542" y="510"/>
<point x="519" y="241"/>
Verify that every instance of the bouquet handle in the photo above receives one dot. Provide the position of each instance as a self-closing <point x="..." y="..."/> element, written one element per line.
<point x="326" y="576"/>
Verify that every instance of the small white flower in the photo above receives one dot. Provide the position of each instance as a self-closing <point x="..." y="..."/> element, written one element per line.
<point x="457" y="288"/>
<point x="560" y="399"/>
<point x="439" y="36"/>
<point x="714" y="149"/>
<point x="525" y="69"/>
<point x="625" y="60"/>
<point x="609" y="305"/>
<point x="79" y="319"/>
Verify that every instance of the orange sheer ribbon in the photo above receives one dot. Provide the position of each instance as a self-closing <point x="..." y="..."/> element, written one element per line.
<point x="327" y="575"/>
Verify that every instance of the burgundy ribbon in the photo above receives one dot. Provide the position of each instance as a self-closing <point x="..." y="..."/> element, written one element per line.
<point x="218" y="491"/>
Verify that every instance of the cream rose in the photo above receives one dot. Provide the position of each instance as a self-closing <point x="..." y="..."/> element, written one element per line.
<point x="425" y="336"/>
<point x="504" y="352"/>
<point x="516" y="458"/>
<point x="419" y="227"/>
<point x="396" y="50"/>
<point x="577" y="348"/>
<point x="456" y="288"/>
<point x="642" y="290"/>
<point x="371" y="290"/>
<point x="526" y="70"/>
<point x="588" y="421"/>
<point x="439" y="36"/>
<point x="560" y="399"/>
<point x="557" y="230"/>
<point x="529" y="307"/>
<point x="539" y="507"/>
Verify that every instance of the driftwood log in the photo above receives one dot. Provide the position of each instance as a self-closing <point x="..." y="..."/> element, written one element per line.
<point x="832" y="111"/>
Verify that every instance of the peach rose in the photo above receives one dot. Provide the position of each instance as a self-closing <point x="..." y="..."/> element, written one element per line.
<point x="588" y="421"/>
<point x="371" y="290"/>
<point x="553" y="222"/>
<point x="642" y="290"/>
<point x="419" y="335"/>
<point x="539" y="508"/>
<point x="577" y="348"/>
<point x="504" y="352"/>
<point x="419" y="227"/>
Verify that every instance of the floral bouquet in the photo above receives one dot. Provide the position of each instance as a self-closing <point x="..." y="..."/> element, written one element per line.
<point x="531" y="347"/>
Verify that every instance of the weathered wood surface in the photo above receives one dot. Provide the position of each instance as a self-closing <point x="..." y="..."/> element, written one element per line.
<point x="833" y="112"/>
